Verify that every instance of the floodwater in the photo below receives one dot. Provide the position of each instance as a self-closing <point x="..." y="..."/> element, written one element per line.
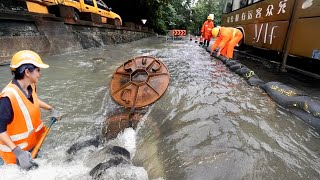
<point x="210" y="124"/>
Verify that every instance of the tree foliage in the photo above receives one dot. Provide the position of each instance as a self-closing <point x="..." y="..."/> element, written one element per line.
<point x="202" y="9"/>
<point x="163" y="15"/>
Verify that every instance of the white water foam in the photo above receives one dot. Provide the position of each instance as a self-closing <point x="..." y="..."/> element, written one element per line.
<point x="58" y="168"/>
<point x="45" y="171"/>
<point x="126" y="139"/>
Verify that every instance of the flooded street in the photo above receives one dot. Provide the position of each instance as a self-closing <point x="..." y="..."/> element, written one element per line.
<point x="209" y="124"/>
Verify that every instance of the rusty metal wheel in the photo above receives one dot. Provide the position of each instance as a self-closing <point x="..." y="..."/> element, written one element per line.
<point x="76" y="15"/>
<point x="117" y="22"/>
<point x="139" y="82"/>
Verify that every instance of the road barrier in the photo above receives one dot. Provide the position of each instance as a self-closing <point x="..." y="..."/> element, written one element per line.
<point x="177" y="32"/>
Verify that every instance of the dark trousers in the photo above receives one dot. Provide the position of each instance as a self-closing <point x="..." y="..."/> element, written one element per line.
<point x="206" y="42"/>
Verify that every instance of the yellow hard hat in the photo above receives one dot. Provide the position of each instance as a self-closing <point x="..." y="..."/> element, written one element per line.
<point x="27" y="57"/>
<point x="215" y="31"/>
<point x="209" y="17"/>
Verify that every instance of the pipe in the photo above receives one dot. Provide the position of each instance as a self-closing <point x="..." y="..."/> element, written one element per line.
<point x="287" y="44"/>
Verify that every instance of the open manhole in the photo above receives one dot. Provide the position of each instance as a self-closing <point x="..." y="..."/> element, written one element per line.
<point x="117" y="123"/>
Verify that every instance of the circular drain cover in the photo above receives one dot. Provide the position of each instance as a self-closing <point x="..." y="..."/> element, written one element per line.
<point x="139" y="82"/>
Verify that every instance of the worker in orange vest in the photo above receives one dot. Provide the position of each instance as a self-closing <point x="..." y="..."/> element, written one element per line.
<point x="206" y="30"/>
<point x="226" y="39"/>
<point x="20" y="123"/>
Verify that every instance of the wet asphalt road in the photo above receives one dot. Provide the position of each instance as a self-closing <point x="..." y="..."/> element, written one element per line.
<point x="209" y="124"/>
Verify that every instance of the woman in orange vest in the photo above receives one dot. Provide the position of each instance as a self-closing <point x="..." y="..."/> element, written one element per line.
<point x="226" y="39"/>
<point x="20" y="123"/>
<point x="206" y="30"/>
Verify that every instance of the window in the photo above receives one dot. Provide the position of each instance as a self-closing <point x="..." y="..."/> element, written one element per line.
<point x="232" y="5"/>
<point x="102" y="5"/>
<point x="228" y="6"/>
<point x="254" y="1"/>
<point x="89" y="2"/>
<point x="235" y="5"/>
<point x="243" y="3"/>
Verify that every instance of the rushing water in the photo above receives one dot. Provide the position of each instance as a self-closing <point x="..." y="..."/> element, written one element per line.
<point x="210" y="124"/>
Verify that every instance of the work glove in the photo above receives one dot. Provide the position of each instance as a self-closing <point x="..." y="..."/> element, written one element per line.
<point x="56" y="114"/>
<point x="218" y="51"/>
<point x="24" y="159"/>
<point x="211" y="53"/>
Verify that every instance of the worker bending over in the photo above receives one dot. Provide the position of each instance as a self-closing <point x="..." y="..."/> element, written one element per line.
<point x="206" y="30"/>
<point x="226" y="39"/>
<point x="20" y="124"/>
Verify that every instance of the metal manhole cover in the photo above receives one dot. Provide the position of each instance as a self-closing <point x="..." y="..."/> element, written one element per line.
<point x="139" y="82"/>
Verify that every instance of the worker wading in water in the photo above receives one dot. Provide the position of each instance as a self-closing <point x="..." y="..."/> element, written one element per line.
<point x="20" y="124"/>
<point x="206" y="30"/>
<point x="226" y="39"/>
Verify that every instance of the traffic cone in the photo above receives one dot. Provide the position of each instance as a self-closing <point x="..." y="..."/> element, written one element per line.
<point x="201" y="40"/>
<point x="190" y="37"/>
<point x="196" y="40"/>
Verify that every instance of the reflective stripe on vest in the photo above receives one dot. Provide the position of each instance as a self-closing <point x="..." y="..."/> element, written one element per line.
<point x="5" y="148"/>
<point x="234" y="32"/>
<point x="27" y="119"/>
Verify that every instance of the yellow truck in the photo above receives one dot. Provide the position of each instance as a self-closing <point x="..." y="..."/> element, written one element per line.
<point x="76" y="9"/>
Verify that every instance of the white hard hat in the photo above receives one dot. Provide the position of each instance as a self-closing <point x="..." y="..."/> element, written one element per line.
<point x="211" y="16"/>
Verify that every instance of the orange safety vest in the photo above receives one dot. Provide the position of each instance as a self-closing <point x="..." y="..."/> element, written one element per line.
<point x="26" y="127"/>
<point x="225" y="35"/>
<point x="206" y="29"/>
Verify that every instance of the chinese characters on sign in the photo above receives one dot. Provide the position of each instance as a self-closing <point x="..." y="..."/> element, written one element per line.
<point x="237" y="18"/>
<point x="259" y="12"/>
<point x="250" y="14"/>
<point x="243" y="16"/>
<point x="269" y="10"/>
<point x="282" y="6"/>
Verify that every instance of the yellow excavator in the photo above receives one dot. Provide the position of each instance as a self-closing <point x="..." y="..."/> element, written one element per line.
<point x="97" y="10"/>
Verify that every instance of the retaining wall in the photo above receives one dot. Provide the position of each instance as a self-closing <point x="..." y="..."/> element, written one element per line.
<point x="49" y="36"/>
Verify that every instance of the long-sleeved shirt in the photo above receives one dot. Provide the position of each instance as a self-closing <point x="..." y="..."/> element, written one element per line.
<point x="6" y="111"/>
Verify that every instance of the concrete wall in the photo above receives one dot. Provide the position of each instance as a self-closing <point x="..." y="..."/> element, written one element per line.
<point x="48" y="37"/>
